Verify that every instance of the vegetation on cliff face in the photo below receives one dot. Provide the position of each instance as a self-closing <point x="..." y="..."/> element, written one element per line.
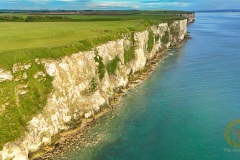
<point x="150" y="40"/>
<point x="165" y="38"/>
<point x="24" y="42"/>
<point x="129" y="52"/>
<point x="174" y="31"/>
<point x="112" y="65"/>
<point x="157" y="37"/>
<point x="92" y="87"/>
<point x="101" y="66"/>
<point x="22" y="99"/>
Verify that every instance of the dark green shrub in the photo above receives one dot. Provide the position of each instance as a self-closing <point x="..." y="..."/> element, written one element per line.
<point x="112" y="65"/>
<point x="101" y="66"/>
<point x="150" y="40"/>
<point x="46" y="18"/>
<point x="157" y="37"/>
<point x="175" y="31"/>
<point x="91" y="88"/>
<point x="93" y="85"/>
<point x="129" y="53"/>
<point x="9" y="18"/>
<point x="165" y="37"/>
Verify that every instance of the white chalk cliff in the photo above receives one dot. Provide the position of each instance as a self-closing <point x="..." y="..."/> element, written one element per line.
<point x="79" y="92"/>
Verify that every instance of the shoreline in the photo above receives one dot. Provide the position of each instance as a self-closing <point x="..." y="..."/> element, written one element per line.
<point x="65" y="140"/>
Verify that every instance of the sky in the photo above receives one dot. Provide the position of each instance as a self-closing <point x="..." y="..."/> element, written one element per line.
<point x="120" y="4"/>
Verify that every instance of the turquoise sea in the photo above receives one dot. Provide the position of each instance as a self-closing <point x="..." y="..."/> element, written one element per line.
<point x="181" y="112"/>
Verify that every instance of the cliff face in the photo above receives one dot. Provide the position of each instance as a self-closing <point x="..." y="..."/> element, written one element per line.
<point x="190" y="17"/>
<point x="84" y="83"/>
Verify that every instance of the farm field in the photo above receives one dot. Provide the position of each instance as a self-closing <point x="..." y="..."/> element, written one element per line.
<point x="66" y="34"/>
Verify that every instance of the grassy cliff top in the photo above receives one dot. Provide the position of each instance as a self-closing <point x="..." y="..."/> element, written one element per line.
<point x="26" y="36"/>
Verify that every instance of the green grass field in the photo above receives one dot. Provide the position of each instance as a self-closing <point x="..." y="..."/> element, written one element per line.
<point x="22" y="41"/>
<point x="21" y="35"/>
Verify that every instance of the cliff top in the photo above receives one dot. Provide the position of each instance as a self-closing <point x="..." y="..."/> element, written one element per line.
<point x="26" y="36"/>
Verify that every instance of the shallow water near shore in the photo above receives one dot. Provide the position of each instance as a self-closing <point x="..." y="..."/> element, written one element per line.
<point x="182" y="110"/>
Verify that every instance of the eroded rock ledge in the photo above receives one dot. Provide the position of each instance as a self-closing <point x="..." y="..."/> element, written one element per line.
<point x="85" y="83"/>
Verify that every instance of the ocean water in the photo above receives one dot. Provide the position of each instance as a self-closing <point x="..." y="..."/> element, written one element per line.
<point x="181" y="112"/>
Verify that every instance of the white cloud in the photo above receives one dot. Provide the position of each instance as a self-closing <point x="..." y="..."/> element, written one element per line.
<point x="66" y="0"/>
<point x="44" y="1"/>
<point x="135" y="4"/>
<point x="136" y="7"/>
<point x="101" y="4"/>
<point x="108" y="4"/>
<point x="37" y="1"/>
<point x="168" y="4"/>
